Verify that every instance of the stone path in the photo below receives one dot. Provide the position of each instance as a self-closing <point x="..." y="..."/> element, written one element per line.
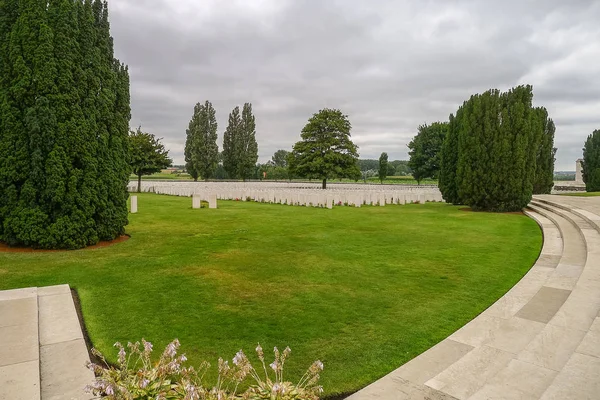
<point x="539" y="341"/>
<point x="42" y="350"/>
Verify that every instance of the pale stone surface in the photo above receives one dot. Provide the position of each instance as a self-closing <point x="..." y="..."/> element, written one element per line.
<point x="565" y="277"/>
<point x="196" y="201"/>
<point x="518" y="380"/>
<point x="469" y="374"/>
<point x="590" y="344"/>
<point x="19" y="343"/>
<point x="581" y="308"/>
<point x="58" y="319"/>
<point x="397" y="388"/>
<point x="20" y="381"/>
<point x="134" y="204"/>
<point x="510" y="335"/>
<point x="579" y="379"/>
<point x="52" y="290"/>
<point x="424" y="367"/>
<point x="63" y="372"/>
<point x="15" y="294"/>
<point x="552" y="348"/>
<point x="548" y="260"/>
<point x="579" y="171"/>
<point x="17" y="312"/>
<point x="544" y="304"/>
<point x="212" y="201"/>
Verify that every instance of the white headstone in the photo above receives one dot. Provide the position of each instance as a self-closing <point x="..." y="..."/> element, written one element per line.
<point x="212" y="201"/>
<point x="196" y="201"/>
<point x="134" y="204"/>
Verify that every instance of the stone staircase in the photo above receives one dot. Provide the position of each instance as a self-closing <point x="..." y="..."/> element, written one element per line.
<point x="42" y="350"/>
<point x="541" y="340"/>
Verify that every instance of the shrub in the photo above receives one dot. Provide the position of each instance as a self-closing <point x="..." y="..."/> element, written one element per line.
<point x="136" y="377"/>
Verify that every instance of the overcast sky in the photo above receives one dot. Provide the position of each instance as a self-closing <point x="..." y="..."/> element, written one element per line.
<point x="389" y="65"/>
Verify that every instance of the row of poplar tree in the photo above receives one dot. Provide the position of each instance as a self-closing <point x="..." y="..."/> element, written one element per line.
<point x="498" y="152"/>
<point x="240" y="149"/>
<point x="64" y="124"/>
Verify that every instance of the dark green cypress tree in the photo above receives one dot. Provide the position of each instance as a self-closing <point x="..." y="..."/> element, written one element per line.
<point x="246" y="146"/>
<point x="544" y="174"/>
<point x="448" y="161"/>
<point x="496" y="167"/>
<point x="66" y="183"/>
<point x="591" y="162"/>
<point x="230" y="144"/>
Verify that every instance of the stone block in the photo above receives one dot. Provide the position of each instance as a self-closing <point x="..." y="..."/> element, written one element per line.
<point x="64" y="374"/>
<point x="134" y="204"/>
<point x="196" y="201"/>
<point x="20" y="381"/>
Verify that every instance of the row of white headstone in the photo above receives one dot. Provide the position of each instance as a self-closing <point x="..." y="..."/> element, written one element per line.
<point x="308" y="198"/>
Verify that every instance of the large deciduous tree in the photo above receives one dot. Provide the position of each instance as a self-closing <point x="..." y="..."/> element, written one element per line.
<point x="64" y="118"/>
<point x="591" y="162"/>
<point x="425" y="149"/>
<point x="280" y="158"/>
<point x="201" y="149"/>
<point x="383" y="166"/>
<point x="148" y="154"/>
<point x="326" y="149"/>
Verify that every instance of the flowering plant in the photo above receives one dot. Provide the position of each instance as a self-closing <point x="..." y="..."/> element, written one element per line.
<point x="136" y="377"/>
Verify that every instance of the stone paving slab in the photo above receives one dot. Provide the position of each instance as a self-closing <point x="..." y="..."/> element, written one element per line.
<point x="20" y="381"/>
<point x="579" y="379"/>
<point x="58" y="319"/>
<point x="19" y="343"/>
<point x="518" y="380"/>
<point x="433" y="361"/>
<point x="17" y="312"/>
<point x="544" y="305"/>
<point x="510" y="335"/>
<point x="553" y="347"/>
<point x="469" y="374"/>
<point x="53" y="290"/>
<point x="63" y="375"/>
<point x="15" y="294"/>
<point x="397" y="388"/>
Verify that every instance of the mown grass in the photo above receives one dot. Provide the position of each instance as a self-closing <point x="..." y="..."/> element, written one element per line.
<point x="581" y="194"/>
<point x="364" y="290"/>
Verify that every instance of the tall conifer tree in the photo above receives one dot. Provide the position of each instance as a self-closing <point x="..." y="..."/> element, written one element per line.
<point x="591" y="162"/>
<point x="201" y="149"/>
<point x="247" y="147"/>
<point x="231" y="143"/>
<point x="64" y="108"/>
<point x="496" y="165"/>
<point x="544" y="173"/>
<point x="448" y="161"/>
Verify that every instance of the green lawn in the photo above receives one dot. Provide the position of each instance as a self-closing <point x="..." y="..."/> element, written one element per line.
<point x="364" y="290"/>
<point x="581" y="194"/>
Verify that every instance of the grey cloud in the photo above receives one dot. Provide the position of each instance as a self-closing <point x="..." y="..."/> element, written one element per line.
<point x="389" y="65"/>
